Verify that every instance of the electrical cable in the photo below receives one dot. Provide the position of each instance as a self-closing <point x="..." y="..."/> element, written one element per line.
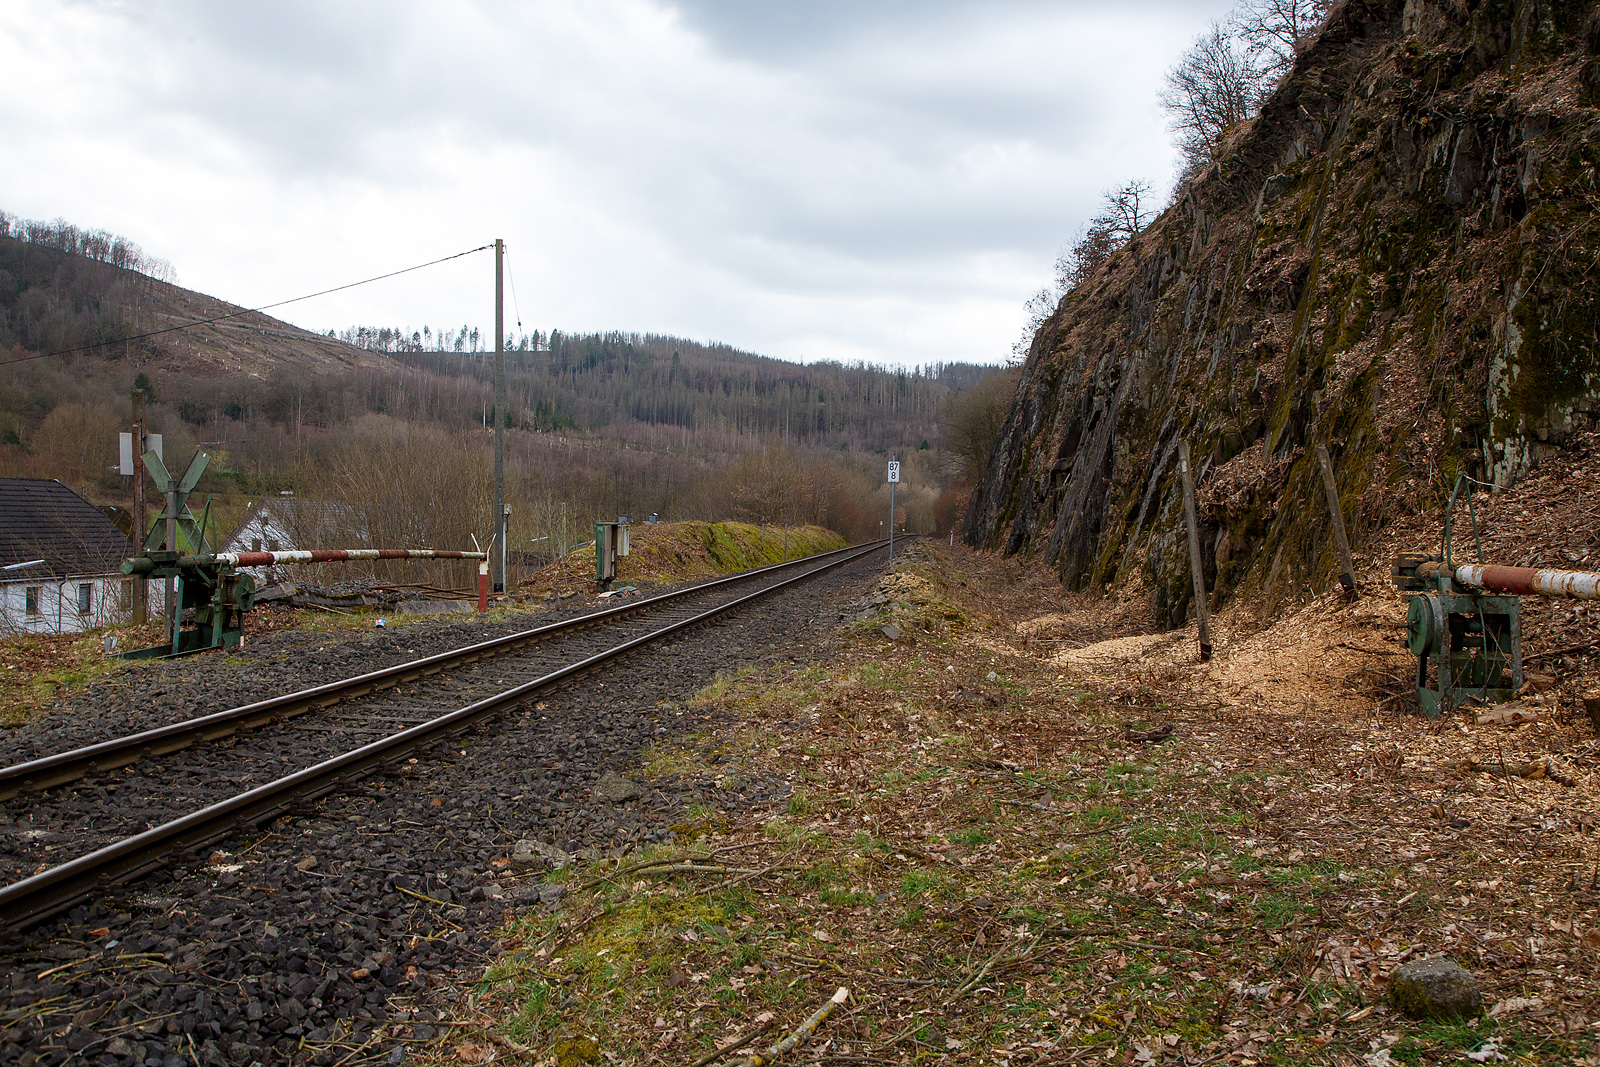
<point x="242" y="311"/>
<point x="515" y="310"/>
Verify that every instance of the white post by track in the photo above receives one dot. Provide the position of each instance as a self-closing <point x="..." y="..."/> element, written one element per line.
<point x="894" y="479"/>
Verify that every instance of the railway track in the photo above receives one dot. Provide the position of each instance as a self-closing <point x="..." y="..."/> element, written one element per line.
<point x="266" y="738"/>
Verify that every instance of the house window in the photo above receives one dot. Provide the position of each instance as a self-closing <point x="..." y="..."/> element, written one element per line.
<point x="31" y="598"/>
<point x="255" y="544"/>
<point x="85" y="597"/>
<point x="125" y="594"/>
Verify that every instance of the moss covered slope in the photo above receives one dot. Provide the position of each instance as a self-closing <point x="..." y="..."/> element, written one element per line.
<point x="1395" y="259"/>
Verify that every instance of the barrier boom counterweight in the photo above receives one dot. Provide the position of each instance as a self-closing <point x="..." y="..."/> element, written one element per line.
<point x="209" y="583"/>
<point x="1464" y="627"/>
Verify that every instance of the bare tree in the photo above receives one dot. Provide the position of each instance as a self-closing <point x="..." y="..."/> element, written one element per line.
<point x="1214" y="87"/>
<point x="1226" y="74"/>
<point x="757" y="485"/>
<point x="1040" y="307"/>
<point x="976" y="418"/>
<point x="1092" y="248"/>
<point x="1125" y="212"/>
<point x="1274" y="31"/>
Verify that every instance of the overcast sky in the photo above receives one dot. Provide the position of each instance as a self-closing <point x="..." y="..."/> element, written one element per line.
<point x="885" y="180"/>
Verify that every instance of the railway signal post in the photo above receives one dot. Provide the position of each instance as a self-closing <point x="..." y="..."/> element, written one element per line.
<point x="894" y="479"/>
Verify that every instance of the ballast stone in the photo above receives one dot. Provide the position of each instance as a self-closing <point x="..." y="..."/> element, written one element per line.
<point x="436" y="607"/>
<point x="531" y="854"/>
<point x="616" y="789"/>
<point x="1435" y="988"/>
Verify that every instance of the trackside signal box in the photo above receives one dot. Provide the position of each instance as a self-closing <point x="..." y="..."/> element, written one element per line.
<point x="610" y="541"/>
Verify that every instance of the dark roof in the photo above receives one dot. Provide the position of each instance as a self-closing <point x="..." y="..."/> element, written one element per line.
<point x="42" y="519"/>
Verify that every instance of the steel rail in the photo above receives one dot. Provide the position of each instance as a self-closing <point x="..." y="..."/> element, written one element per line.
<point x="47" y="772"/>
<point x="36" y="898"/>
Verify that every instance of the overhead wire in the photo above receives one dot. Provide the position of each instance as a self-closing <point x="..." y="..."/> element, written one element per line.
<point x="515" y="310"/>
<point x="241" y="311"/>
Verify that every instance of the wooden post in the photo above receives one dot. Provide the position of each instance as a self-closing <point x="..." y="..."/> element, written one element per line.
<point x="1196" y="568"/>
<point x="483" y="582"/>
<point x="1347" y="571"/>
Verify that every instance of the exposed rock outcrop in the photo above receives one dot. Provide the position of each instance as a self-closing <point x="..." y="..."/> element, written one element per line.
<point x="1396" y="259"/>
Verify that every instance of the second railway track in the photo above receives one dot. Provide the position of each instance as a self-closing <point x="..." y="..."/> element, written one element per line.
<point x="118" y="807"/>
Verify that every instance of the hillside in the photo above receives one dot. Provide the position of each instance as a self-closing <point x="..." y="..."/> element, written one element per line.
<point x="53" y="296"/>
<point x="396" y="422"/>
<point x="1391" y="260"/>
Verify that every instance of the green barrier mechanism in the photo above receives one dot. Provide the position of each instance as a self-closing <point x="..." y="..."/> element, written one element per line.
<point x="1468" y="645"/>
<point x="174" y="550"/>
<point x="207" y="587"/>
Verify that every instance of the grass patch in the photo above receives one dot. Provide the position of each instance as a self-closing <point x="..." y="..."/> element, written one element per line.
<point x="1090" y="898"/>
<point x="38" y="669"/>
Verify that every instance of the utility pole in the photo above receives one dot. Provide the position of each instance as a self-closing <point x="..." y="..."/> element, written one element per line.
<point x="141" y="588"/>
<point x="499" y="558"/>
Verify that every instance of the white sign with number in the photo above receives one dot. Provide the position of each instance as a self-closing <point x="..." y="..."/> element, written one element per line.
<point x="894" y="470"/>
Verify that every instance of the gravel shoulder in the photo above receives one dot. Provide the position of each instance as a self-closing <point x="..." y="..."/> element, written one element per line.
<point x="334" y="935"/>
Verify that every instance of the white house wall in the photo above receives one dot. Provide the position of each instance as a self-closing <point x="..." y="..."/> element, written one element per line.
<point x="58" y="604"/>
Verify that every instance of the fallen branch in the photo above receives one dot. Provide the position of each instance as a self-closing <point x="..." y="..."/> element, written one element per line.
<point x="1589" y="647"/>
<point x="731" y="882"/>
<point x="1536" y="769"/>
<point x="701" y="868"/>
<point x="806" y="1029"/>
<point x="717" y="1054"/>
<point x="1506" y="714"/>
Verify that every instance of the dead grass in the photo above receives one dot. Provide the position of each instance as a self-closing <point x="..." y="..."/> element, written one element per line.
<point x="975" y="848"/>
<point x="671" y="552"/>
<point x="36" y="668"/>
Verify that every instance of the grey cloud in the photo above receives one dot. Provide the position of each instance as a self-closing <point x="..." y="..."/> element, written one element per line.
<point x="785" y="29"/>
<point x="725" y="158"/>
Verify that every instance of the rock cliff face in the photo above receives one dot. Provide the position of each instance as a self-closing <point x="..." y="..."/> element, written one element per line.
<point x="1396" y="259"/>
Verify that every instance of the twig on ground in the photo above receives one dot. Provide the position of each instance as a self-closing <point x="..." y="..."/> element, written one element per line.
<point x="716" y="1054"/>
<point x="1106" y="829"/>
<point x="1528" y="657"/>
<point x="701" y="868"/>
<point x="1036" y="807"/>
<point x="1162" y="948"/>
<point x="352" y="1054"/>
<point x="970" y="983"/>
<point x="805" y="1030"/>
<point x="421" y="896"/>
<point x="665" y="862"/>
<point x="731" y="882"/>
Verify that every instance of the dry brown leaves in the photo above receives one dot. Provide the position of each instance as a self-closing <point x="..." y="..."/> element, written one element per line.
<point x="981" y="847"/>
